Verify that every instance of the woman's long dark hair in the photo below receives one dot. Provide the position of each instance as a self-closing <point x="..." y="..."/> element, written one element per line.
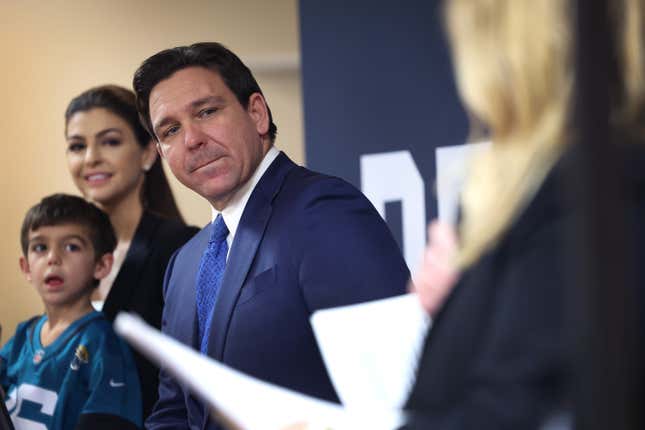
<point x="156" y="195"/>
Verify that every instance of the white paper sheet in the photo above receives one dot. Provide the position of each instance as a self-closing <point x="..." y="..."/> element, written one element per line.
<point x="248" y="402"/>
<point x="371" y="350"/>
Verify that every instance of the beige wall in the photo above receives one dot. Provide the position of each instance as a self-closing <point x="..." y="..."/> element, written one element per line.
<point x="53" y="50"/>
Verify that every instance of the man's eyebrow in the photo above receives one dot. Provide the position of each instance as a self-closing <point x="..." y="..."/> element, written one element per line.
<point x="164" y="121"/>
<point x="206" y="100"/>
<point x="193" y="105"/>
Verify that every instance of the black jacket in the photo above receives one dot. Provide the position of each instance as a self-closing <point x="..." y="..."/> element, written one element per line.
<point x="499" y="353"/>
<point x="138" y="286"/>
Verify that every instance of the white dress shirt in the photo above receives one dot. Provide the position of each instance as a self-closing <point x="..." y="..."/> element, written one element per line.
<point x="233" y="212"/>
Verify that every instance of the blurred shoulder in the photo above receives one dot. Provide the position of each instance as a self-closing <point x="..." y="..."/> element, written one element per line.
<point x="169" y="233"/>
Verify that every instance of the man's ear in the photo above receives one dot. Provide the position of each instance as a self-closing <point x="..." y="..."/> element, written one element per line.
<point x="149" y="155"/>
<point x="103" y="266"/>
<point x="160" y="150"/>
<point x="24" y="268"/>
<point x="259" y="113"/>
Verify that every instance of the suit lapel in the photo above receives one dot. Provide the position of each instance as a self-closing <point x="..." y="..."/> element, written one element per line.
<point x="247" y="239"/>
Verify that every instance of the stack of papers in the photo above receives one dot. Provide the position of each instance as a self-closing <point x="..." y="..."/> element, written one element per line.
<point x="369" y="349"/>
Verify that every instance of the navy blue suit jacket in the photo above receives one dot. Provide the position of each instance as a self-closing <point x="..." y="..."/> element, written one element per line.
<point x="305" y="242"/>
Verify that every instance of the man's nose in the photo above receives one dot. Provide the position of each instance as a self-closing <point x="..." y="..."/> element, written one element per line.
<point x="193" y="136"/>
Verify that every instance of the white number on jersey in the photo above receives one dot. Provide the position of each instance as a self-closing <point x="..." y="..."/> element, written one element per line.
<point x="45" y="398"/>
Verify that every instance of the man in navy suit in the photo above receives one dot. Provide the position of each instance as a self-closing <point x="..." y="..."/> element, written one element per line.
<point x="297" y="241"/>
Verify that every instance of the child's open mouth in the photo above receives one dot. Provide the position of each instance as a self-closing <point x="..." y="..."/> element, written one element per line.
<point x="53" y="281"/>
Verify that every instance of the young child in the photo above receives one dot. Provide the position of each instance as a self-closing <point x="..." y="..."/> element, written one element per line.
<point x="67" y="369"/>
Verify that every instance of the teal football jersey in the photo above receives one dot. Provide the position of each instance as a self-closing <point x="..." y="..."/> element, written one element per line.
<point x="86" y="370"/>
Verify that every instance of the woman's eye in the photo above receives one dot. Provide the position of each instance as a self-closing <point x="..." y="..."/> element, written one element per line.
<point x="75" y="147"/>
<point x="112" y="142"/>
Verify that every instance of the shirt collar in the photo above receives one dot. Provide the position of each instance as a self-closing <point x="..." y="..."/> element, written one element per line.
<point x="233" y="212"/>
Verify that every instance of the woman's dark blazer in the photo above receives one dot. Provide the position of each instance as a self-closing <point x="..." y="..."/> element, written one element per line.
<point x="497" y="354"/>
<point x="138" y="285"/>
<point x="494" y="358"/>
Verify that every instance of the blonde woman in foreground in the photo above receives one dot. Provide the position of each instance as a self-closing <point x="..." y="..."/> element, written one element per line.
<point x="496" y="356"/>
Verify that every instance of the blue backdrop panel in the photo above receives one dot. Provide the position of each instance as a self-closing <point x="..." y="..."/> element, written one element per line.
<point x="377" y="79"/>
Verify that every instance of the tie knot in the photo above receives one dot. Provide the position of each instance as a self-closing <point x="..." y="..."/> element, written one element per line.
<point x="220" y="231"/>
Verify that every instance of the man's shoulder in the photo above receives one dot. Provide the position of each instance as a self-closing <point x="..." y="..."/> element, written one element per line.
<point x="286" y="178"/>
<point x="304" y="184"/>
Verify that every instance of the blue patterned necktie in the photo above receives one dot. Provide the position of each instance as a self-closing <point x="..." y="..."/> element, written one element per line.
<point x="209" y="278"/>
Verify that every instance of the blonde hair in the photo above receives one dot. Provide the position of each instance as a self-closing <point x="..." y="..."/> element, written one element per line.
<point x="628" y="110"/>
<point x="512" y="61"/>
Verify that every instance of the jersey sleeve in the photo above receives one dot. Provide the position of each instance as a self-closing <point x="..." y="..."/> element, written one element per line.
<point x="4" y="359"/>
<point x="113" y="381"/>
<point x="10" y="352"/>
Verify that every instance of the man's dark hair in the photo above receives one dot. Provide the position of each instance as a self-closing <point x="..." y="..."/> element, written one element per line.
<point x="210" y="55"/>
<point x="59" y="209"/>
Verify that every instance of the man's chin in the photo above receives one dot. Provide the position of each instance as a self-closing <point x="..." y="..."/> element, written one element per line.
<point x="218" y="196"/>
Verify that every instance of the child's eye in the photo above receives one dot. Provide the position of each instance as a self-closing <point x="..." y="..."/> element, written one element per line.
<point x="38" y="247"/>
<point x="72" y="247"/>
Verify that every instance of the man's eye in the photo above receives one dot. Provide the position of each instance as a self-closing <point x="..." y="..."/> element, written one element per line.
<point x="206" y="112"/>
<point x="75" y="147"/>
<point x="170" y="131"/>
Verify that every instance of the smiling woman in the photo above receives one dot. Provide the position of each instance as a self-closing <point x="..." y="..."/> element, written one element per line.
<point x="114" y="164"/>
<point x="105" y="160"/>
